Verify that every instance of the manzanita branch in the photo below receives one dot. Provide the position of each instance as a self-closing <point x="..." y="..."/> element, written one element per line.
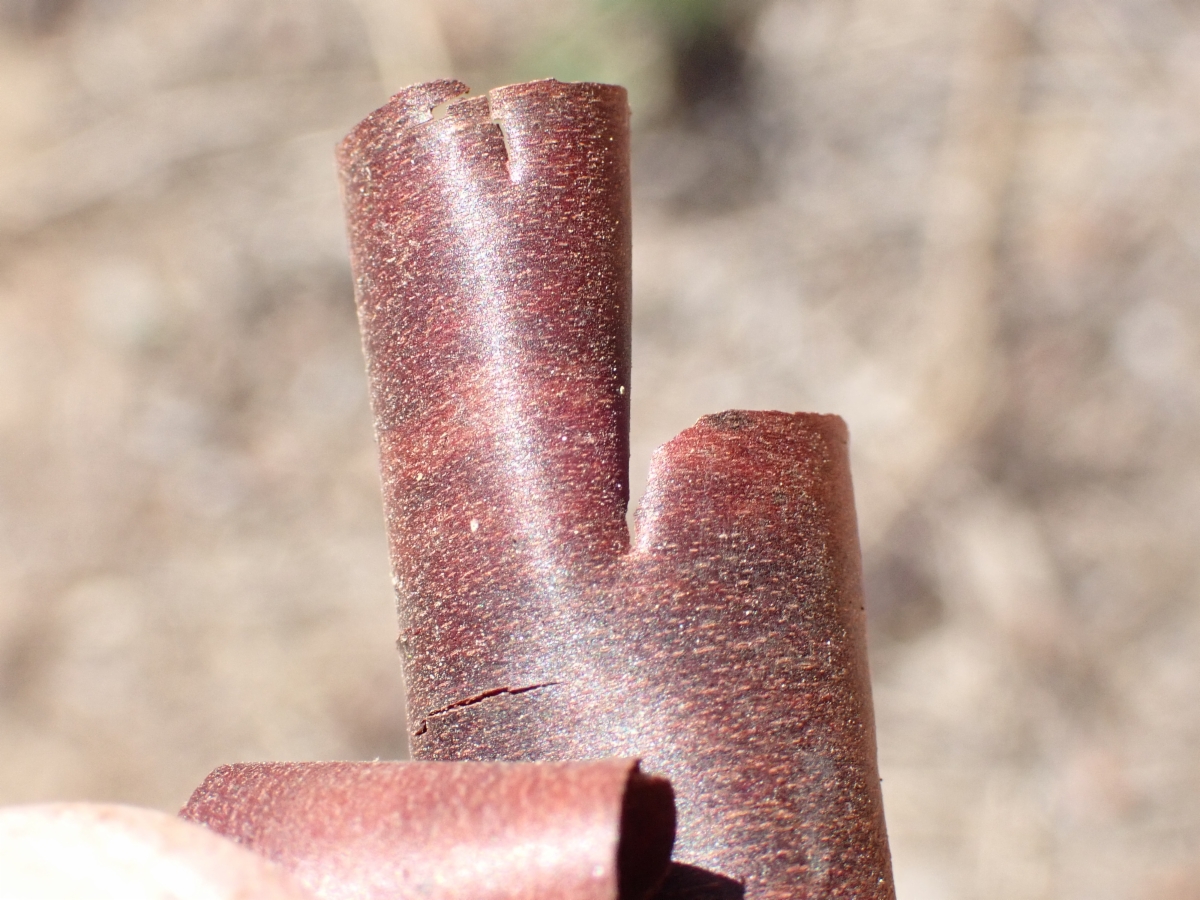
<point x="726" y="647"/>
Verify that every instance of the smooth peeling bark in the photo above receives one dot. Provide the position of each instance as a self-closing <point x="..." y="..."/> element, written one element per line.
<point x="491" y="252"/>
<point x="107" y="852"/>
<point x="449" y="831"/>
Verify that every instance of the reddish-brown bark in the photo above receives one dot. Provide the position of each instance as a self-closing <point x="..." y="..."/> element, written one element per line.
<point x="484" y="831"/>
<point x="491" y="252"/>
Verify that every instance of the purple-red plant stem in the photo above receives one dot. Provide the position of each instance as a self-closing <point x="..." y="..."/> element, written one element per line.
<point x="726" y="646"/>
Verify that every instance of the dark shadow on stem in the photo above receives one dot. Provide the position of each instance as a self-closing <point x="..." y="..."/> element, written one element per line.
<point x="692" y="883"/>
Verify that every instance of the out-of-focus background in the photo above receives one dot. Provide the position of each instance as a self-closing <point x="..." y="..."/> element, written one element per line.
<point x="971" y="227"/>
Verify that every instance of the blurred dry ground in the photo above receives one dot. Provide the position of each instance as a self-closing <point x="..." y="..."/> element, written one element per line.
<point x="971" y="227"/>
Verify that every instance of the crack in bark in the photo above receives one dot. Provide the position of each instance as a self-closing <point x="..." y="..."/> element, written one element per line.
<point x="479" y="698"/>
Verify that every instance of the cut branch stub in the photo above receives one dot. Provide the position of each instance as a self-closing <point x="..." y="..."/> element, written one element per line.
<point x="486" y="831"/>
<point x="491" y="252"/>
